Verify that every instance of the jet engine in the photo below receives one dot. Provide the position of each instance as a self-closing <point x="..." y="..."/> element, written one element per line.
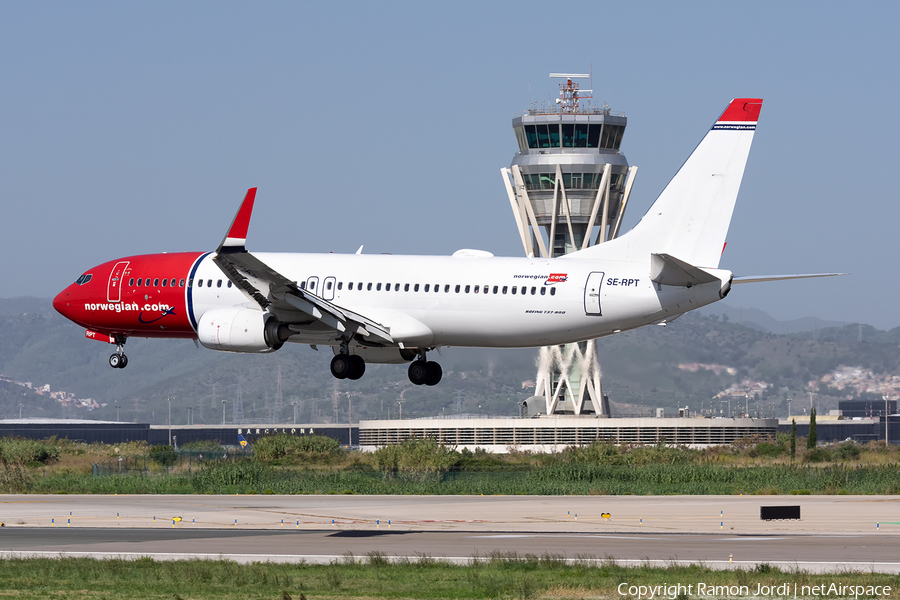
<point x="241" y="329"/>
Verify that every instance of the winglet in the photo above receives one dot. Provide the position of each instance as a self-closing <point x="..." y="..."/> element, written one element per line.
<point x="237" y="234"/>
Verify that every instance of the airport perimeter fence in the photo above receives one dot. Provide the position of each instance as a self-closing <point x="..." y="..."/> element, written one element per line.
<point x="163" y="462"/>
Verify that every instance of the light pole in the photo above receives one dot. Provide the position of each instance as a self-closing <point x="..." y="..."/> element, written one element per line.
<point x="789" y="407"/>
<point x="169" y="399"/>
<point x="349" y="419"/>
<point x="21" y="405"/>
<point x="117" y="411"/>
<point x="190" y="415"/>
<point x="885" y="398"/>
<point x="294" y="404"/>
<point x="400" y="405"/>
<point x="224" y="402"/>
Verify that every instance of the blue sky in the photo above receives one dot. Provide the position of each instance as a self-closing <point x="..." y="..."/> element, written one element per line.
<point x="130" y="128"/>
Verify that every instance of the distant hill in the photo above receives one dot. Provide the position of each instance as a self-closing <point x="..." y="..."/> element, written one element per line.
<point x="757" y="319"/>
<point x="642" y="369"/>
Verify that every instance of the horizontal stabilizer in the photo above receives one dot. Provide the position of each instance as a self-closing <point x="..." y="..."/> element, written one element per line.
<point x="760" y="278"/>
<point x="668" y="270"/>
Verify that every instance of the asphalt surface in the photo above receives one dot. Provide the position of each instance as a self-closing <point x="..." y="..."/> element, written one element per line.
<point x="835" y="532"/>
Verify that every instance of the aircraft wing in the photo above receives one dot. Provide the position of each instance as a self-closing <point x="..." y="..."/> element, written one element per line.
<point x="274" y="292"/>
<point x="760" y="278"/>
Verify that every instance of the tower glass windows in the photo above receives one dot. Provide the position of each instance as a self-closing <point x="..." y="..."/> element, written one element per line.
<point x="543" y="136"/>
<point x="568" y="135"/>
<point x="531" y="136"/>
<point x="581" y="135"/>
<point x="593" y="138"/>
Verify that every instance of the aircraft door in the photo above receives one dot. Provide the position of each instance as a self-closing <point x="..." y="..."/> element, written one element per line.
<point x="114" y="288"/>
<point x="312" y="286"/>
<point x="328" y="288"/>
<point x="592" y="294"/>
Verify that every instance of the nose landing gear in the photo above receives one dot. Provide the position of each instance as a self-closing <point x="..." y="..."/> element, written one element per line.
<point x="119" y="360"/>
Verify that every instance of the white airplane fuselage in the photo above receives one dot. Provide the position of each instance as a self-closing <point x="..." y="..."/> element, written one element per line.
<point x="516" y="304"/>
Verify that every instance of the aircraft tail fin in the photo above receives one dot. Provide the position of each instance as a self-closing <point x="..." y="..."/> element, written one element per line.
<point x="690" y="219"/>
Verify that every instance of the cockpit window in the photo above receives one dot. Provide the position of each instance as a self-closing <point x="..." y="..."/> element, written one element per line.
<point x="83" y="279"/>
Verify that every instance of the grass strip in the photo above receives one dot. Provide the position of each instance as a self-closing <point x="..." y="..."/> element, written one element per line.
<point x="377" y="576"/>
<point x="249" y="477"/>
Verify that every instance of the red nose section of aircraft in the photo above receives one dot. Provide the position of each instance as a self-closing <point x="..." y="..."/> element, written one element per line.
<point x="146" y="295"/>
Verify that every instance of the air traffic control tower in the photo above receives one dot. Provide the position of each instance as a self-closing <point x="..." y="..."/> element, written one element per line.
<point x="568" y="186"/>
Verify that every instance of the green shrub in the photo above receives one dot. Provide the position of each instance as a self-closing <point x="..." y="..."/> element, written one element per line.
<point x="297" y="447"/>
<point x="21" y="451"/>
<point x="770" y="450"/>
<point x="164" y="455"/>
<point x="817" y="455"/>
<point x="416" y="455"/>
<point x="847" y="451"/>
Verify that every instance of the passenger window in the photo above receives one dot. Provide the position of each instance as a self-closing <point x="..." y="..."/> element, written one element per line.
<point x="139" y="281"/>
<point x="229" y="283"/>
<point x="131" y="281"/>
<point x="190" y="282"/>
<point x="406" y="287"/>
<point x="504" y="289"/>
<point x="378" y="287"/>
<point x="328" y="285"/>
<point x="219" y="284"/>
<point x="156" y="282"/>
<point x="543" y="291"/>
<point x="495" y="289"/>
<point x="302" y="285"/>
<point x="447" y="289"/>
<point x="427" y="287"/>
<point x="165" y="283"/>
<point x="387" y="287"/>
<point x="416" y="289"/>
<point x="513" y="290"/>
<point x="340" y="285"/>
<point x="485" y="290"/>
<point x="476" y="289"/>
<point x="552" y="291"/>
<point x="369" y="287"/>
<point x="533" y="291"/>
<point x="457" y="289"/>
<point x="181" y="283"/>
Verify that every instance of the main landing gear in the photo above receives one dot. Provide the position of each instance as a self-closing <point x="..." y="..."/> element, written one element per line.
<point x="346" y="365"/>
<point x="422" y="372"/>
<point x="119" y="360"/>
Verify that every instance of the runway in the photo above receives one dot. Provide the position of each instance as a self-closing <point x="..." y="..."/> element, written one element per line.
<point x="859" y="533"/>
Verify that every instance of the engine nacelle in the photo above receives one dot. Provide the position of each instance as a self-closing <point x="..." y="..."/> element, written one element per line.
<point x="374" y="355"/>
<point x="241" y="329"/>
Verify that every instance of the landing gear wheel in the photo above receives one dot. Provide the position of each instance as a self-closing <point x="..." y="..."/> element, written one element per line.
<point x="434" y="373"/>
<point x="418" y="372"/>
<point x="115" y="361"/>
<point x="123" y="361"/>
<point x="357" y="367"/>
<point x="341" y="366"/>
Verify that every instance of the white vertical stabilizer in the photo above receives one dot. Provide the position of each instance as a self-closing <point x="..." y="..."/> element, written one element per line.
<point x="690" y="219"/>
